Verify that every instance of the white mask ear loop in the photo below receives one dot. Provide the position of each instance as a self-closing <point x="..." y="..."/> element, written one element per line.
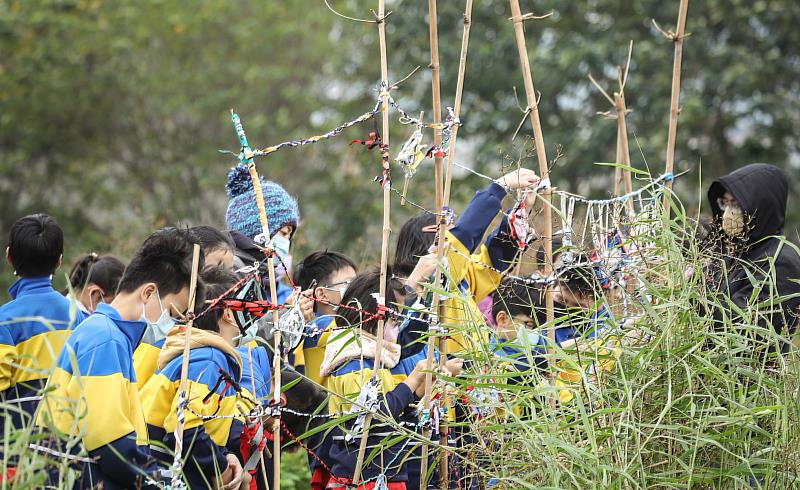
<point x="102" y="300"/>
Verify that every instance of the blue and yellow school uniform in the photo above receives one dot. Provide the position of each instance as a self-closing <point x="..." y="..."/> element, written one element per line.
<point x="145" y="361"/>
<point x="214" y="370"/>
<point x="517" y="356"/>
<point x="317" y="334"/>
<point x="596" y="340"/>
<point x="400" y="372"/>
<point x="349" y="364"/>
<point x="473" y="267"/>
<point x="92" y="394"/>
<point x="256" y="380"/>
<point x="256" y="384"/>
<point x="33" y="327"/>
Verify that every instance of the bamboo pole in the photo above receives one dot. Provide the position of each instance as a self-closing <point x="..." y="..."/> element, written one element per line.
<point x="623" y="152"/>
<point x="176" y="473"/>
<point x="674" y="102"/>
<point x="433" y="31"/>
<point x="246" y="157"/>
<point x="381" y="22"/>
<point x="618" y="170"/>
<point x="276" y="359"/>
<point x="442" y="229"/>
<point x="541" y="156"/>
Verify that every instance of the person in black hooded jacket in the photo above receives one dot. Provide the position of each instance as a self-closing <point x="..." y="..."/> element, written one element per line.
<point x="749" y="210"/>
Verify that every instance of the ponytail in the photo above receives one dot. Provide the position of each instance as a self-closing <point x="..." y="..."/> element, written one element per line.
<point x="103" y="270"/>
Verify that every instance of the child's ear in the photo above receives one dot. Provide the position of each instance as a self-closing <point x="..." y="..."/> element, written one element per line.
<point x="8" y="256"/>
<point x="228" y="316"/>
<point x="501" y="319"/>
<point x="147" y="290"/>
<point x="283" y="399"/>
<point x="319" y="293"/>
<point x="60" y="258"/>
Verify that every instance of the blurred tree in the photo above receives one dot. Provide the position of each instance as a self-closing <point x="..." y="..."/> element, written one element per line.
<point x="740" y="94"/>
<point x="111" y="113"/>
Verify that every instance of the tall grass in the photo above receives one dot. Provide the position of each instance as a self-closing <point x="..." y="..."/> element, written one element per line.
<point x="692" y="404"/>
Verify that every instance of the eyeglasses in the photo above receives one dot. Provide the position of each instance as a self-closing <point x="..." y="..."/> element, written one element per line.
<point x="340" y="286"/>
<point x="726" y="203"/>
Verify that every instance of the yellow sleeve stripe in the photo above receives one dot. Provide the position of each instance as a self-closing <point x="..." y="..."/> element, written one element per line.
<point x="100" y="409"/>
<point x="218" y="429"/>
<point x="36" y="356"/>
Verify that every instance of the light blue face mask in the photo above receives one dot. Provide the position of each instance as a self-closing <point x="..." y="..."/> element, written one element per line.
<point x="250" y="334"/>
<point x="158" y="330"/>
<point x="527" y="338"/>
<point x="282" y="245"/>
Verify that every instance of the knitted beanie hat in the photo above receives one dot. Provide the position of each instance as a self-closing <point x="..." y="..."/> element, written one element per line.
<point x="242" y="212"/>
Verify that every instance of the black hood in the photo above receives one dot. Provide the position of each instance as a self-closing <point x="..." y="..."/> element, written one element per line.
<point x="245" y="246"/>
<point x="762" y="191"/>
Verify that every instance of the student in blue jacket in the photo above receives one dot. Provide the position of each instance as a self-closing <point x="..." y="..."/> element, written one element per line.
<point x="329" y="273"/>
<point x="37" y="320"/>
<point x="349" y="362"/>
<point x="475" y="264"/>
<point x="213" y="383"/>
<point x="518" y="310"/>
<point x="92" y="392"/>
<point x="217" y="247"/>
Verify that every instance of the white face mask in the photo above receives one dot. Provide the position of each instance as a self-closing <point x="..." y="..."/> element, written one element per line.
<point x="527" y="338"/>
<point x="733" y="221"/>
<point x="282" y="245"/>
<point x="390" y="331"/>
<point x="249" y="335"/>
<point x="159" y="329"/>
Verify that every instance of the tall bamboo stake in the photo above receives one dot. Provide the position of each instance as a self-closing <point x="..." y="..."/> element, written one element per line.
<point x="674" y="101"/>
<point x="246" y="157"/>
<point x="381" y="21"/>
<point x="541" y="156"/>
<point x="433" y="31"/>
<point x="176" y="467"/>
<point x="618" y="170"/>
<point x="442" y="229"/>
<point x="623" y="153"/>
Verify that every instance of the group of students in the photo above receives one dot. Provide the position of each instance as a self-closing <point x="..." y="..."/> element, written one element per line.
<point x="98" y="367"/>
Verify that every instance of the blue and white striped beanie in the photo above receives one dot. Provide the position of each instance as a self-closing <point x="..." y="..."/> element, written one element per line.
<point x="242" y="212"/>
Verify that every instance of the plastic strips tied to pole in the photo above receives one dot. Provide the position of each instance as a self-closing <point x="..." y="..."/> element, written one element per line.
<point x="412" y="153"/>
<point x="177" y="464"/>
<point x="367" y="399"/>
<point x="291" y="325"/>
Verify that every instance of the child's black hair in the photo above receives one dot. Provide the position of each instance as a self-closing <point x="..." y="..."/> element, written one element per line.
<point x="216" y="280"/>
<point x="358" y="299"/>
<point x="165" y="258"/>
<point x="35" y="244"/>
<point x="322" y="266"/>
<point x="579" y="277"/>
<point x="103" y="270"/>
<point x="413" y="243"/>
<point x="211" y="239"/>
<point x="517" y="297"/>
